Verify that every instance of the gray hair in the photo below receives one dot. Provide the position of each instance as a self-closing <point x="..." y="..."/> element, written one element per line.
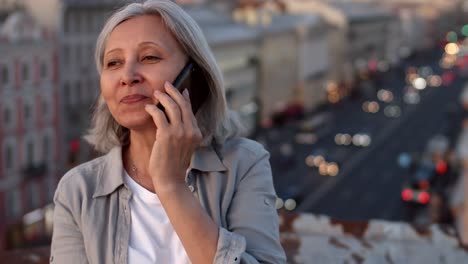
<point x="216" y="122"/>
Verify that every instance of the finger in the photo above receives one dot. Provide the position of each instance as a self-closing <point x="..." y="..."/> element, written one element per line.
<point x="158" y="116"/>
<point x="170" y="107"/>
<point x="189" y="120"/>
<point x="186" y="96"/>
<point x="182" y="101"/>
<point x="192" y="129"/>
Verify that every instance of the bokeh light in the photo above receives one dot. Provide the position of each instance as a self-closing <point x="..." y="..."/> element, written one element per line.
<point x="419" y="83"/>
<point x="452" y="49"/>
<point x="290" y="204"/>
<point x="452" y="36"/>
<point x="464" y="30"/>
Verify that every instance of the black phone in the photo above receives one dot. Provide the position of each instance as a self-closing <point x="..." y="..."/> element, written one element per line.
<point x="191" y="78"/>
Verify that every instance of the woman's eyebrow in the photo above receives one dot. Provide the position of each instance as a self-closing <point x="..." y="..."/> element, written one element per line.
<point x="156" y="44"/>
<point x="111" y="51"/>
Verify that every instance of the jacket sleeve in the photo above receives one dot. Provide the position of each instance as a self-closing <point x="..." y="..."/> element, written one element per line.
<point x="253" y="235"/>
<point x="67" y="241"/>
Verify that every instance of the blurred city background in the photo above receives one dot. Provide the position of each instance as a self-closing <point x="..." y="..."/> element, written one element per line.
<point x="361" y="103"/>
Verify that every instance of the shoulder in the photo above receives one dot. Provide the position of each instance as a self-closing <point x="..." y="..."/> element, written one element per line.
<point x="243" y="146"/>
<point x="81" y="178"/>
<point x="243" y="153"/>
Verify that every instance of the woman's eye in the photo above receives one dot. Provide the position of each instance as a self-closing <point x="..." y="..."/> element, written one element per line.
<point x="112" y="63"/>
<point x="151" y="58"/>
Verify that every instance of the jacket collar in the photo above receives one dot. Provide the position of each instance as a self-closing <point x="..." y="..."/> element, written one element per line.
<point x="111" y="174"/>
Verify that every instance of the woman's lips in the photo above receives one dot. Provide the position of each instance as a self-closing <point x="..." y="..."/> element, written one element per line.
<point x="131" y="99"/>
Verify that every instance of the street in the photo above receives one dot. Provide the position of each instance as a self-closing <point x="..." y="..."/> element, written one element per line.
<point x="369" y="182"/>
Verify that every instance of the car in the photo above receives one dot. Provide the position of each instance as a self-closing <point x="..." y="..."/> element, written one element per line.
<point x="358" y="137"/>
<point x="325" y="165"/>
<point x="429" y="174"/>
<point x="289" y="198"/>
<point x="316" y="124"/>
<point x="417" y="188"/>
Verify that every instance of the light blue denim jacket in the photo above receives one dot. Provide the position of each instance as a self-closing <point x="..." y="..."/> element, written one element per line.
<point x="233" y="183"/>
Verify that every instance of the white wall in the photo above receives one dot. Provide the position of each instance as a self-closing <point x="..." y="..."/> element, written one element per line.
<point x="46" y="12"/>
<point x="313" y="56"/>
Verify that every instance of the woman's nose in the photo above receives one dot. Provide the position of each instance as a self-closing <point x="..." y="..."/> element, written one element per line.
<point x="130" y="75"/>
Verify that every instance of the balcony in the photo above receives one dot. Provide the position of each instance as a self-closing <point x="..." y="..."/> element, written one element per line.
<point x="32" y="171"/>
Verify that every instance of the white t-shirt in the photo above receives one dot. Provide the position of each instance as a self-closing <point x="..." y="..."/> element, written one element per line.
<point x="152" y="237"/>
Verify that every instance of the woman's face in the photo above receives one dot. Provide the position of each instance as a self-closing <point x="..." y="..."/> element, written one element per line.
<point x="139" y="56"/>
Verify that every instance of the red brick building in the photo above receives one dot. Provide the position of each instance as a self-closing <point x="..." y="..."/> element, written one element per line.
<point x="29" y="131"/>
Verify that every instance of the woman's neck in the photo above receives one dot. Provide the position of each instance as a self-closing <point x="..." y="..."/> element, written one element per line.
<point x="137" y="154"/>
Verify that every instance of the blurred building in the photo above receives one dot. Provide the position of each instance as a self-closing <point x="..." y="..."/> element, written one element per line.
<point x="293" y="58"/>
<point x="294" y="63"/>
<point x="424" y="23"/>
<point x="236" y="51"/>
<point x="368" y="34"/>
<point x="364" y="39"/>
<point x="30" y="132"/>
<point x="340" y="72"/>
<point x="49" y="84"/>
<point x="77" y="24"/>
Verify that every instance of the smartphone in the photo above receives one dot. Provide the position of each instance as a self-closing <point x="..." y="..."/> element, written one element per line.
<point x="191" y="78"/>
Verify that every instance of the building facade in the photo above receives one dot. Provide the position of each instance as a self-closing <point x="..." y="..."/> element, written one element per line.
<point x="30" y="132"/>
<point x="294" y="62"/>
<point x="77" y="24"/>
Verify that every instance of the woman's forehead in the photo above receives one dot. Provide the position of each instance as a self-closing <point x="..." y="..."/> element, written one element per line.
<point x="141" y="29"/>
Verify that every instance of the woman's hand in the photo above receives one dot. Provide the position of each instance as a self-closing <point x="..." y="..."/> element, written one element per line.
<point x="177" y="137"/>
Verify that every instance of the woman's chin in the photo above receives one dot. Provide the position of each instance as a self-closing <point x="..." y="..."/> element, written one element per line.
<point x="138" y="123"/>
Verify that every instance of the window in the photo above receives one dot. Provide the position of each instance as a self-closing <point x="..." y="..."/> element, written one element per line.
<point x="33" y="196"/>
<point x="229" y="96"/>
<point x="66" y="93"/>
<point x="86" y="17"/>
<point x="43" y="70"/>
<point x="8" y="157"/>
<point x="46" y="148"/>
<point x="74" y="56"/>
<point x="91" y="91"/>
<point x="78" y="92"/>
<point x="6" y="116"/>
<point x="79" y="54"/>
<point x="13" y="203"/>
<point x="77" y="22"/>
<point x="94" y="21"/>
<point x="50" y="187"/>
<point x="25" y="72"/>
<point x="91" y="53"/>
<point x="4" y="74"/>
<point x="66" y="23"/>
<point x="66" y="55"/>
<point x="45" y="108"/>
<point x="27" y="112"/>
<point x="29" y="153"/>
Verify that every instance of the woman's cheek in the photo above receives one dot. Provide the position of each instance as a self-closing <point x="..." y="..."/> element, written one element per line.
<point x="106" y="86"/>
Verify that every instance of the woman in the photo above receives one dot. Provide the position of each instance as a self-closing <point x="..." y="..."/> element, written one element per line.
<point x="174" y="186"/>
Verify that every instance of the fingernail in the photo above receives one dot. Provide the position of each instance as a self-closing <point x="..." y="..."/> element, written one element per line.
<point x="186" y="93"/>
<point x="167" y="85"/>
<point x="156" y="92"/>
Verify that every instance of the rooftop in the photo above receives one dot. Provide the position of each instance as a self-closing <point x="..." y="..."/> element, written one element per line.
<point x="360" y="11"/>
<point x="228" y="34"/>
<point x="19" y="25"/>
<point x="206" y="15"/>
<point x="218" y="27"/>
<point x="308" y="238"/>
